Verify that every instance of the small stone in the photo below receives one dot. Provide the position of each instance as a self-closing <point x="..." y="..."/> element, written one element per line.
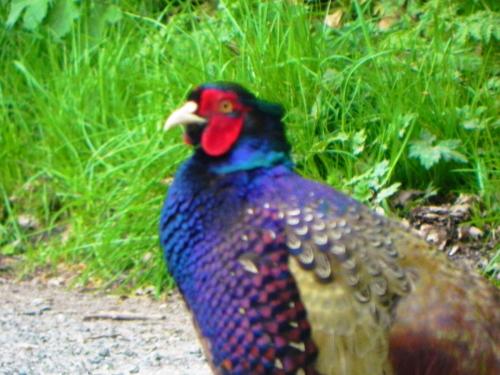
<point x="77" y="350"/>
<point x="460" y="212"/>
<point x="475" y="233"/>
<point x="27" y="346"/>
<point x="55" y="281"/>
<point x="43" y="309"/>
<point x="465" y="232"/>
<point x="96" y="360"/>
<point x="134" y="370"/>
<point x="129" y="353"/>
<point x="27" y="222"/>
<point x="379" y="210"/>
<point x="147" y="257"/>
<point x="434" y="235"/>
<point x="104" y="352"/>
<point x="60" y="318"/>
<point x="406" y="223"/>
<point x="455" y="249"/>
<point x="37" y="301"/>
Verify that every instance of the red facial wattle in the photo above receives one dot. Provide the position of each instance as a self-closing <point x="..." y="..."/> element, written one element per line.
<point x="223" y="129"/>
<point x="220" y="135"/>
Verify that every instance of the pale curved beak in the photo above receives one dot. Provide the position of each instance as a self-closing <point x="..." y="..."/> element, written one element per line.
<point x="185" y="115"/>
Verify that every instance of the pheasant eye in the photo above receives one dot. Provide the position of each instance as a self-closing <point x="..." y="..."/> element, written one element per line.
<point x="225" y="106"/>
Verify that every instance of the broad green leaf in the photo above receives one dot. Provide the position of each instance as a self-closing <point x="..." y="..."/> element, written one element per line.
<point x="113" y="14"/>
<point x="35" y="13"/>
<point x="16" y="8"/>
<point x="97" y="20"/>
<point x="62" y="16"/>
<point x="102" y="14"/>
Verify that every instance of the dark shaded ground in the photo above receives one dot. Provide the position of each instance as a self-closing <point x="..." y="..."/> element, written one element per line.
<point x="445" y="222"/>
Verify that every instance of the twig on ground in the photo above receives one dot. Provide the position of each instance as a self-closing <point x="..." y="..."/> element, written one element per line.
<point x="121" y="316"/>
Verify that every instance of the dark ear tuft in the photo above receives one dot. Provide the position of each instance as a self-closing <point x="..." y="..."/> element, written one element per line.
<point x="272" y="109"/>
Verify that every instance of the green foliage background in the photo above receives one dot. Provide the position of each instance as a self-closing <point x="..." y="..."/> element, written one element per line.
<point x="371" y="108"/>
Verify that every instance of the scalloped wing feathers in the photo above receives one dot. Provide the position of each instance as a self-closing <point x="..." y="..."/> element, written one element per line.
<point x="285" y="275"/>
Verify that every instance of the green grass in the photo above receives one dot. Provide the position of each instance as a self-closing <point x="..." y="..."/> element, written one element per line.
<point x="80" y="143"/>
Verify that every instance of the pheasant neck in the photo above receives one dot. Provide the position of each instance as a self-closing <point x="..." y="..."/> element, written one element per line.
<point x="250" y="154"/>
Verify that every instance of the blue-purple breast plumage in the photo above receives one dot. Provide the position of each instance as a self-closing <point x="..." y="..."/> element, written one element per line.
<point x="284" y="275"/>
<point x="235" y="277"/>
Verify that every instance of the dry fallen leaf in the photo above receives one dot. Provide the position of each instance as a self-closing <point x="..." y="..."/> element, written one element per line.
<point x="455" y="249"/>
<point x="28" y="222"/>
<point x="386" y="22"/>
<point x="406" y="196"/>
<point x="167" y="181"/>
<point x="475" y="233"/>
<point x="334" y="20"/>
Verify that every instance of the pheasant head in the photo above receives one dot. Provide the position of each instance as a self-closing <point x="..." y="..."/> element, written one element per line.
<point x="232" y="129"/>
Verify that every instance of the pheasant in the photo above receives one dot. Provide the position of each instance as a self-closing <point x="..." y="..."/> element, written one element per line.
<point x="284" y="275"/>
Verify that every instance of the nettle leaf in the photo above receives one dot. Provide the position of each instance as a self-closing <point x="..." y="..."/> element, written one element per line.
<point x="429" y="152"/>
<point x="372" y="182"/>
<point x="472" y="118"/>
<point x="380" y="169"/>
<point x="493" y="84"/>
<point x="35" y="13"/>
<point x="101" y="15"/>
<point x="474" y="124"/>
<point x="113" y="14"/>
<point x="16" y="8"/>
<point x="362" y="191"/>
<point x="340" y="137"/>
<point x="404" y="122"/>
<point x="447" y="150"/>
<point x="61" y="17"/>
<point x="387" y="192"/>
<point x="358" y="142"/>
<point x="481" y="27"/>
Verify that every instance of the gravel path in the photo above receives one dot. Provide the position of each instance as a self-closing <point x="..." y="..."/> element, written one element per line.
<point x="49" y="330"/>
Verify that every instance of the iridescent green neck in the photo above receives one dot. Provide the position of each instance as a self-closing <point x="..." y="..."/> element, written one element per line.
<point x="247" y="154"/>
<point x="258" y="159"/>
